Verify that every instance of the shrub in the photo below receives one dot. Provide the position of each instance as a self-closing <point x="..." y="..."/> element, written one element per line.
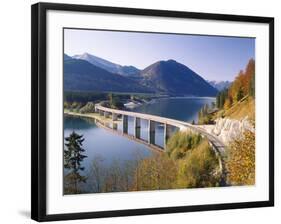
<point x="199" y="168"/>
<point x="75" y="106"/>
<point x="155" y="173"/>
<point x="181" y="142"/>
<point x="88" y="108"/>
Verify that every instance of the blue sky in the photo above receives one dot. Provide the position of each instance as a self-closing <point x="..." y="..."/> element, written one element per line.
<point x="212" y="57"/>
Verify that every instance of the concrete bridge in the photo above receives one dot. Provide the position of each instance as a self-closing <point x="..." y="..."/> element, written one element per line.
<point x="114" y="130"/>
<point x="152" y="122"/>
<point x="168" y="124"/>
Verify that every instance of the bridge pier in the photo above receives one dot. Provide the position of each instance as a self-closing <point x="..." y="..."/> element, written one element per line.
<point x="106" y="114"/>
<point x="151" y="131"/>
<point x="137" y="125"/>
<point x="96" y="110"/>
<point x="167" y="134"/>
<point x="114" y="126"/>
<point x="125" y="123"/>
<point x="114" y="117"/>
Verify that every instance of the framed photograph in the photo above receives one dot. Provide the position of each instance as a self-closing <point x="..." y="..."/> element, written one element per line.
<point x="139" y="111"/>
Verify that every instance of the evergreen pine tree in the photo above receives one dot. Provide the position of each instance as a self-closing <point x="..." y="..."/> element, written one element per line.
<point x="73" y="158"/>
<point x="252" y="86"/>
<point x="218" y="100"/>
<point x="222" y="99"/>
<point x="206" y="109"/>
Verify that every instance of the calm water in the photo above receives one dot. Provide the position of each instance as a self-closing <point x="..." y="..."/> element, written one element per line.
<point x="185" y="109"/>
<point x="103" y="143"/>
<point x="111" y="147"/>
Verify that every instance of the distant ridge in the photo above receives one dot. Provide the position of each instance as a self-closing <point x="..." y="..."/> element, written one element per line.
<point x="108" y="66"/>
<point x="66" y="57"/>
<point x="220" y="85"/>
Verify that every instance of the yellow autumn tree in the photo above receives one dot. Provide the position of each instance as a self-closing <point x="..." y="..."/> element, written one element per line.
<point x="240" y="163"/>
<point x="155" y="173"/>
<point x="243" y="85"/>
<point x="249" y="75"/>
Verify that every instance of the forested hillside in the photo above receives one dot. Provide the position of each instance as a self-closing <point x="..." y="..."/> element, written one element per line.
<point x="243" y="86"/>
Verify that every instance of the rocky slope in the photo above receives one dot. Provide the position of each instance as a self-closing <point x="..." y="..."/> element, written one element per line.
<point x="229" y="129"/>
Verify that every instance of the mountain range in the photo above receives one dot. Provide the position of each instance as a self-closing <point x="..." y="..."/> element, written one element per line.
<point x="220" y="85"/>
<point x="87" y="72"/>
<point x="109" y="66"/>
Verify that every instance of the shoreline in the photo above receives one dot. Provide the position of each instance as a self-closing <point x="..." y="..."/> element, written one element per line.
<point x="157" y="99"/>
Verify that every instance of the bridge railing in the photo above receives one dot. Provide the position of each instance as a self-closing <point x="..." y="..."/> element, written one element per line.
<point x="164" y="120"/>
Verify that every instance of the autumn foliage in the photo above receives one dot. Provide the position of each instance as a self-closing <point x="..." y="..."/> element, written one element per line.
<point x="155" y="173"/>
<point x="241" y="160"/>
<point x="243" y="85"/>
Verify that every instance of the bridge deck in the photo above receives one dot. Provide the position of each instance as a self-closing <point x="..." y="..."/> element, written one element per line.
<point x="164" y="120"/>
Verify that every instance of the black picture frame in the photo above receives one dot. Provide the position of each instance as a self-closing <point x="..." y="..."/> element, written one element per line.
<point x="39" y="122"/>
